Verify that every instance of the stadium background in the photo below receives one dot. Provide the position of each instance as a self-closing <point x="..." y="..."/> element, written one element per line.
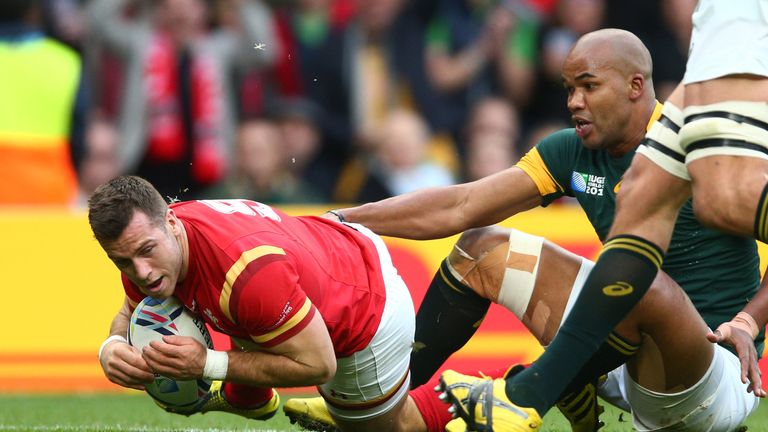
<point x="61" y="292"/>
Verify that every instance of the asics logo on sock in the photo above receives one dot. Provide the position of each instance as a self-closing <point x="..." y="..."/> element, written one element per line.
<point x="618" y="289"/>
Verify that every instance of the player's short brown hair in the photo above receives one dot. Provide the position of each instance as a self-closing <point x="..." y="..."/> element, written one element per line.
<point x="112" y="205"/>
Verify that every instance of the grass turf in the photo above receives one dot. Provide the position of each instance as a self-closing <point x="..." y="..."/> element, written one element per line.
<point x="136" y="412"/>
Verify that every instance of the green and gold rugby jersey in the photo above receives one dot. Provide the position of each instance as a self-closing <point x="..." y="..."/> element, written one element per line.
<point x="718" y="271"/>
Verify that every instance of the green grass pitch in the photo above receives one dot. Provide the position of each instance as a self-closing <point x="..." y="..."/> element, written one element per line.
<point x="136" y="412"/>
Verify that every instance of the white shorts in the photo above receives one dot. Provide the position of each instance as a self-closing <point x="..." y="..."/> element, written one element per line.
<point x="373" y="380"/>
<point x="718" y="402"/>
<point x="729" y="37"/>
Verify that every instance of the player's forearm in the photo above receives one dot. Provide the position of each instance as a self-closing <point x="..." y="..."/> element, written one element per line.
<point x="758" y="306"/>
<point x="424" y="214"/>
<point x="264" y="369"/>
<point x="121" y="321"/>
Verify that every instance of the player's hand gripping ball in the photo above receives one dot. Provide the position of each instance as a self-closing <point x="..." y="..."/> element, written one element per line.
<point x="151" y="320"/>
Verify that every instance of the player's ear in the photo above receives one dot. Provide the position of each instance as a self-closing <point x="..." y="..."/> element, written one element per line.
<point x="172" y="221"/>
<point x="636" y="86"/>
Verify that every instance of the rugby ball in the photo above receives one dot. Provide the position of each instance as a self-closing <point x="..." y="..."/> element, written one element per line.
<point x="151" y="320"/>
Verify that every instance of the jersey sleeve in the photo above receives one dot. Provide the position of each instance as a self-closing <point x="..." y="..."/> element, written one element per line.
<point x="266" y="300"/>
<point x="550" y="164"/>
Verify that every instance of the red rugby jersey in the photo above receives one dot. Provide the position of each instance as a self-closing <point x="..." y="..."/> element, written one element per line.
<point x="256" y="273"/>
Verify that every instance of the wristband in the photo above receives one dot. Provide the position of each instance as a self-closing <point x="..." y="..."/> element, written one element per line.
<point x="338" y="214"/>
<point x="742" y="321"/>
<point x="108" y="340"/>
<point x="216" y="365"/>
<point x="746" y="319"/>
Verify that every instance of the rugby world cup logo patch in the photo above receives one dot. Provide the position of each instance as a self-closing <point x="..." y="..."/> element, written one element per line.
<point x="589" y="184"/>
<point x="578" y="181"/>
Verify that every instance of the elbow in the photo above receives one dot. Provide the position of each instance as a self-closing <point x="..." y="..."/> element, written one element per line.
<point x="328" y="372"/>
<point x="323" y="372"/>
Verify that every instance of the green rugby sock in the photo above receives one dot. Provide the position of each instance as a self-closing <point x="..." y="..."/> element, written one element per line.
<point x="761" y="218"/>
<point x="614" y="352"/>
<point x="448" y="317"/>
<point x="623" y="273"/>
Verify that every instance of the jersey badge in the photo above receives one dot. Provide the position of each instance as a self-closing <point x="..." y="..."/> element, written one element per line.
<point x="589" y="184"/>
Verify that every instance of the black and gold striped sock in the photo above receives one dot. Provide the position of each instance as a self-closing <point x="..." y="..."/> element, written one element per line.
<point x="448" y="316"/>
<point x="614" y="352"/>
<point x="761" y="218"/>
<point x="579" y="403"/>
<point x="622" y="275"/>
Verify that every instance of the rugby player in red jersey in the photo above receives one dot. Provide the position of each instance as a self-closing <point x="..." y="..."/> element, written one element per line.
<point x="305" y="300"/>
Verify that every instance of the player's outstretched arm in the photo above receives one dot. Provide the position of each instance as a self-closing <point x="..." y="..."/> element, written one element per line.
<point x="444" y="211"/>
<point x="122" y="363"/>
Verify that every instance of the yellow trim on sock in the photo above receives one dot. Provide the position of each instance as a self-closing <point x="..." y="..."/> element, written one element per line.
<point x="637" y="246"/>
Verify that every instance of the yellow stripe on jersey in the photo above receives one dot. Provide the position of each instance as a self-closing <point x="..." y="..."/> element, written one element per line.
<point x="291" y="323"/>
<point x="232" y="274"/>
<point x="537" y="170"/>
<point x="655" y="116"/>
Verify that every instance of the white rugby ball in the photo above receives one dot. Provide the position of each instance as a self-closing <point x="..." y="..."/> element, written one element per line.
<point x="151" y="320"/>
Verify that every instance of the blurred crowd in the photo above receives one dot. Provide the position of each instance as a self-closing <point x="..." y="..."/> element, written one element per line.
<point x="292" y="101"/>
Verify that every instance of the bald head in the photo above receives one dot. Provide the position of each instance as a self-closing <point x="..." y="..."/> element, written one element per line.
<point x="616" y="49"/>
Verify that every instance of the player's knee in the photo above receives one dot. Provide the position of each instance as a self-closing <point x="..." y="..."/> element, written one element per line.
<point x="662" y="298"/>
<point x="477" y="242"/>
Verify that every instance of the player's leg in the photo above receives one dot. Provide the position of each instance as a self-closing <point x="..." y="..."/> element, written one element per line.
<point x="726" y="115"/>
<point x="451" y="306"/>
<point x="539" y="299"/>
<point x="500" y="265"/>
<point x="503" y="265"/>
<point x="678" y="380"/>
<point x="370" y="388"/>
<point x="649" y="200"/>
<point x="675" y="352"/>
<point x="488" y="264"/>
<point x="727" y="153"/>
<point x="648" y="204"/>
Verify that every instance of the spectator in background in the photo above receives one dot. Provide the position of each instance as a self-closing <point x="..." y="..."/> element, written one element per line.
<point x="42" y="113"/>
<point x="365" y="74"/>
<point x="476" y="48"/>
<point x="304" y="27"/>
<point x="177" y="119"/>
<point x="488" y="154"/>
<point x="261" y="173"/>
<point x="402" y="144"/>
<point x="573" y="18"/>
<point x="398" y="160"/>
<point x="100" y="161"/>
<point x="64" y="21"/>
<point x="299" y="123"/>
<point x="665" y="27"/>
<point x="491" y="136"/>
<point x="494" y="116"/>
